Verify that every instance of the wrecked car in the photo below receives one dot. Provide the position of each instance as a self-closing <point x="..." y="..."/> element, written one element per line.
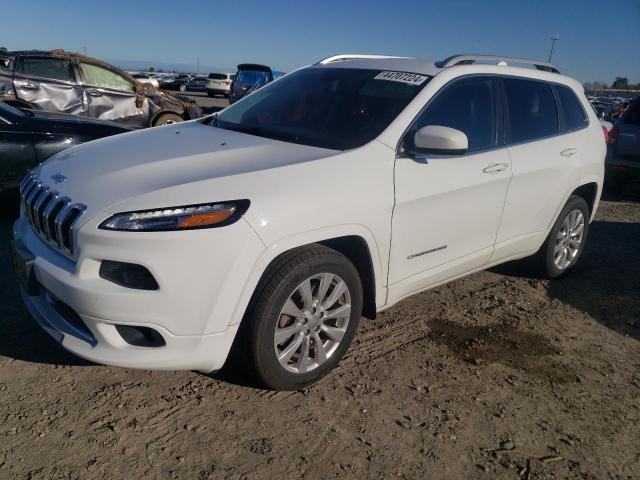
<point x="64" y="82"/>
<point x="28" y="137"/>
<point x="249" y="78"/>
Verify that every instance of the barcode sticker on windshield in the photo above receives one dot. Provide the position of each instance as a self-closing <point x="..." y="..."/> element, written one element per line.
<point x="403" y="77"/>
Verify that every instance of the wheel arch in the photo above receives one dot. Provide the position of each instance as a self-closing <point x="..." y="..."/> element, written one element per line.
<point x="156" y="115"/>
<point x="589" y="192"/>
<point x="357" y="244"/>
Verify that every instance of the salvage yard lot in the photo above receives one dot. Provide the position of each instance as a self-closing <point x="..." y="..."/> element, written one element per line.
<point x="498" y="375"/>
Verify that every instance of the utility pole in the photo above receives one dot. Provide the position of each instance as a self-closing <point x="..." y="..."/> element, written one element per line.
<point x="554" y="39"/>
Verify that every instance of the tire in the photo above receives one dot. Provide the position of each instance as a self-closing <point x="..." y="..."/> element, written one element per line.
<point x="167" y="119"/>
<point x="551" y="263"/>
<point x="281" y="290"/>
<point x="211" y="94"/>
<point x="182" y="88"/>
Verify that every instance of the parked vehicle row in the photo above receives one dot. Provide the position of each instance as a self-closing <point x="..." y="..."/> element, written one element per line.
<point x="62" y="82"/>
<point x="332" y="193"/>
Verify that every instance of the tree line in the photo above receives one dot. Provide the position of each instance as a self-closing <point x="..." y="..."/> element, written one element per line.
<point x="620" y="83"/>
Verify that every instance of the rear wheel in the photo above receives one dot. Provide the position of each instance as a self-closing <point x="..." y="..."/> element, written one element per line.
<point x="305" y="318"/>
<point x="564" y="244"/>
<point x="167" y="119"/>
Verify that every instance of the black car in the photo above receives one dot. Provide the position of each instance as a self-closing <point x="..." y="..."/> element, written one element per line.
<point x="249" y="78"/>
<point x="65" y="82"/>
<point x="28" y="137"/>
<point x="197" y="84"/>
<point x="623" y="150"/>
<point x="179" y="83"/>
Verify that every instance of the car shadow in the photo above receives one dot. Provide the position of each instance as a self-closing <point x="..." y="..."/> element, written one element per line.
<point x="605" y="284"/>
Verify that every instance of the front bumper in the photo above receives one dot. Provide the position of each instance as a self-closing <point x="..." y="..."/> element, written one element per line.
<point x="105" y="345"/>
<point x="198" y="294"/>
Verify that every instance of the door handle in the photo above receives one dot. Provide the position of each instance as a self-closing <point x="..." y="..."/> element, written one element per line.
<point x="30" y="86"/>
<point x="495" y="168"/>
<point x="569" y="152"/>
<point x="94" y="92"/>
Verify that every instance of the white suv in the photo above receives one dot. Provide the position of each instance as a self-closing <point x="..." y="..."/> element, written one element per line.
<point x="333" y="192"/>
<point x="219" y="84"/>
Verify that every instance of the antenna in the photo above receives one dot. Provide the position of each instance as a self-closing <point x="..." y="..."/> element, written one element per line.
<point x="554" y="38"/>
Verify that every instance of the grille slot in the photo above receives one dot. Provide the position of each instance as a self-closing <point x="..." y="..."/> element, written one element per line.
<point x="50" y="215"/>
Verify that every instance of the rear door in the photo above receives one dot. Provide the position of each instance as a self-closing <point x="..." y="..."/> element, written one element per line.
<point x="543" y="158"/>
<point x="50" y="83"/>
<point x="111" y="96"/>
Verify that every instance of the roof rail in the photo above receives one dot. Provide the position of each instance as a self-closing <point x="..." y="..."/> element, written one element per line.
<point x="356" y="56"/>
<point x="469" y="59"/>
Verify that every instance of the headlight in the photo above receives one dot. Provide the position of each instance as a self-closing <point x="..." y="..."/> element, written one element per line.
<point x="189" y="217"/>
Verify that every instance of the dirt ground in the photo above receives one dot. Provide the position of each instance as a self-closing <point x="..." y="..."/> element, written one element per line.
<point x="496" y="376"/>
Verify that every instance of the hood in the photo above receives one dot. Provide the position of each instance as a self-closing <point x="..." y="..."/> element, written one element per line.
<point x="102" y="173"/>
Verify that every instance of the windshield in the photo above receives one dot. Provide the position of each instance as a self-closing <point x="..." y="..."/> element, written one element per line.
<point x="336" y="108"/>
<point x="248" y="78"/>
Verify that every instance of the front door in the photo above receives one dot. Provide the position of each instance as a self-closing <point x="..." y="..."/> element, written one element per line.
<point x="111" y="96"/>
<point x="448" y="208"/>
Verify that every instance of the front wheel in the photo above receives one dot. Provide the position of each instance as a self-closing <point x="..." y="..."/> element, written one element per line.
<point x="305" y="317"/>
<point x="564" y="244"/>
<point x="167" y="119"/>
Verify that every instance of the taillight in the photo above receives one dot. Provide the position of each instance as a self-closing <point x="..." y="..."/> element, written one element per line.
<point x="606" y="134"/>
<point x="227" y="82"/>
<point x="613" y="136"/>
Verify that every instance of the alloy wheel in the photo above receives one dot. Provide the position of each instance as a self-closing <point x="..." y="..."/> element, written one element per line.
<point x="569" y="239"/>
<point x="312" y="323"/>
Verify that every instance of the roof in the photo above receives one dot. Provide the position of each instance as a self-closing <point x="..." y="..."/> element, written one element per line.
<point x="400" y="64"/>
<point x="428" y="67"/>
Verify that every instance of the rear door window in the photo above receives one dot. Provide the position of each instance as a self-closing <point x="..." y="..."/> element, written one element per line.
<point x="47" y="67"/>
<point x="532" y="111"/>
<point x="102" y="77"/>
<point x="575" y="117"/>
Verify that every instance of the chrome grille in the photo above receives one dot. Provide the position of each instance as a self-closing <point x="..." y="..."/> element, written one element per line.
<point x="50" y="214"/>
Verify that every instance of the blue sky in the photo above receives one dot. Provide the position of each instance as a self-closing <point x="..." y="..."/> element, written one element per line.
<point x="599" y="39"/>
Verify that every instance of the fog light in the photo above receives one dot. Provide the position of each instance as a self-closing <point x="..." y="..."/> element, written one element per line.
<point x="140" y="336"/>
<point x="129" y="275"/>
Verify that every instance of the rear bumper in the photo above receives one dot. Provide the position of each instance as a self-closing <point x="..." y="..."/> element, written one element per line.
<point x="218" y="91"/>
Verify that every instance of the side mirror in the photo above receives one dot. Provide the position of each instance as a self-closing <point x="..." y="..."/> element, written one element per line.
<point x="439" y="140"/>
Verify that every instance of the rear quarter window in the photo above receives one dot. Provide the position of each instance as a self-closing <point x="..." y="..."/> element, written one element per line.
<point x="531" y="108"/>
<point x="574" y="115"/>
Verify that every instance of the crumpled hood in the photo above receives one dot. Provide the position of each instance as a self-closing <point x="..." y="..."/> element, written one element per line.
<point x="104" y="172"/>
